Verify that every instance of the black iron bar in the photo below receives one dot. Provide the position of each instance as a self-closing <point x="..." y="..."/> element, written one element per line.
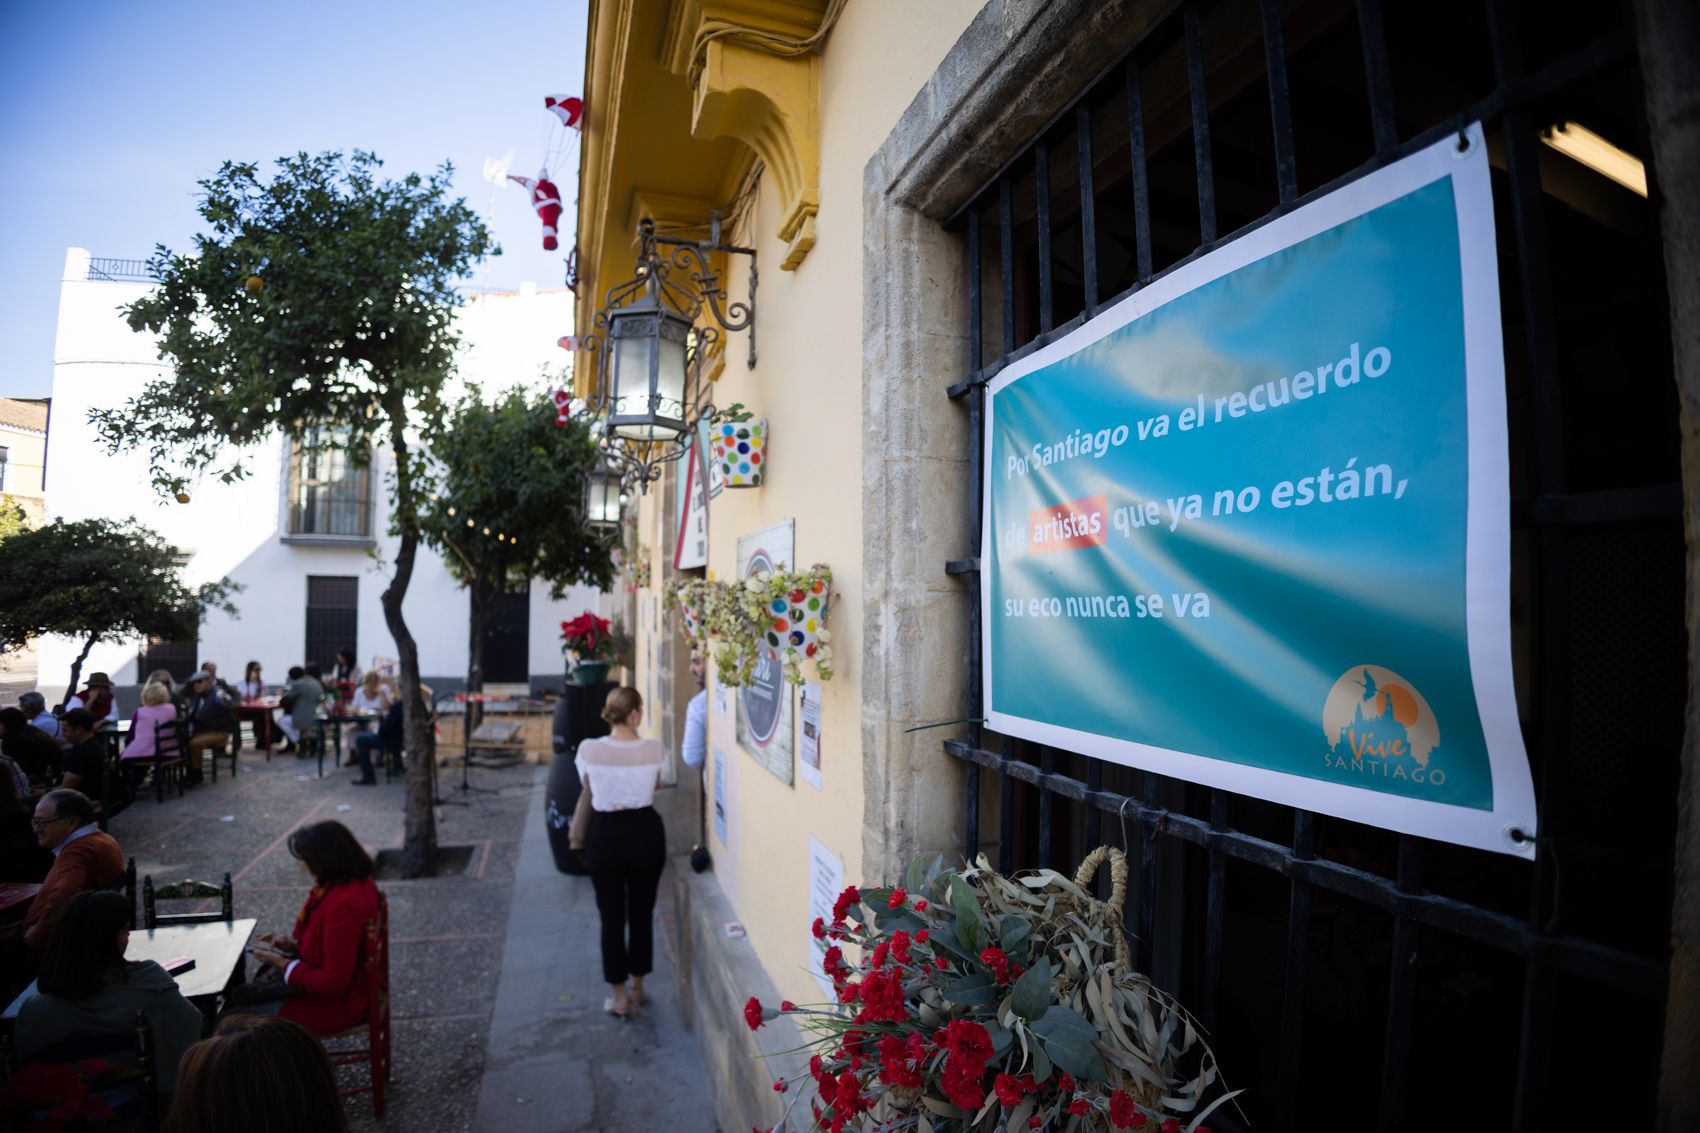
<point x="1639" y="976"/>
<point x="1006" y="253"/>
<point x="1088" y="208"/>
<point x="1006" y="812"/>
<point x="1147" y="930"/>
<point x="1042" y="222"/>
<point x="1384" y="127"/>
<point x="1290" y="1041"/>
<point x="1214" y="896"/>
<point x="1200" y="129"/>
<point x="975" y="330"/>
<point x="1094" y="819"/>
<point x="1047" y="804"/>
<point x="1141" y="179"/>
<point x="1401" y="994"/>
<point x="1280" y="106"/>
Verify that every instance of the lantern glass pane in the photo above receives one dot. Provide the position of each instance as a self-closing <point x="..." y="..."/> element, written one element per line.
<point x="670" y="380"/>
<point x="631" y="375"/>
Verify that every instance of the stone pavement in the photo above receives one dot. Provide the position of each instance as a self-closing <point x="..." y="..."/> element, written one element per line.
<point x="448" y="935"/>
<point x="556" y="1062"/>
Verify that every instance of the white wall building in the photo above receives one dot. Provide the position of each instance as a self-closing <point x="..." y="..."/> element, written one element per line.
<point x="306" y="534"/>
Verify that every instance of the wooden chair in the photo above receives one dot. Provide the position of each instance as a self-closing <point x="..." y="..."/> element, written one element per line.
<point x="226" y="750"/>
<point x="187" y="891"/>
<point x="376" y="1028"/>
<point x="135" y="1100"/>
<point x="170" y="747"/>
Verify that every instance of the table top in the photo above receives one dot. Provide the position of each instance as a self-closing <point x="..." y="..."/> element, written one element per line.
<point x="17" y="893"/>
<point x="265" y="704"/>
<point x="350" y="718"/>
<point x="216" y="947"/>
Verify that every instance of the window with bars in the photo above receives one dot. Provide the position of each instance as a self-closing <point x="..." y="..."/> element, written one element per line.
<point x="1350" y="977"/>
<point x="329" y="489"/>
<point x="333" y="618"/>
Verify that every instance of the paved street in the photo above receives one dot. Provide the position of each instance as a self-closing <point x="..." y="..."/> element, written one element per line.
<point x="467" y="978"/>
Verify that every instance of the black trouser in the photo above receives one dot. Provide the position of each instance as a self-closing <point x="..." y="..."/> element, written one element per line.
<point x="626" y="850"/>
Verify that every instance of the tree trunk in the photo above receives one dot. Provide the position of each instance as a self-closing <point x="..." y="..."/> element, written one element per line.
<point x="478" y="608"/>
<point x="77" y="669"/>
<point x="1669" y="35"/>
<point x="419" y="840"/>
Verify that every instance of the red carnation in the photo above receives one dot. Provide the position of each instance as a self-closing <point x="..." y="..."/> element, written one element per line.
<point x="940" y="963"/>
<point x="970" y="1047"/>
<point x="920" y="906"/>
<point x="995" y="959"/>
<point x="1066" y="1083"/>
<point x="787" y="1005"/>
<point x="1034" y="1122"/>
<point x="1122" y="1113"/>
<point x="900" y="1062"/>
<point x="779" y="1085"/>
<point x="1008" y="1090"/>
<point x="882" y="998"/>
<point x="752" y="1013"/>
<point x="900" y="947"/>
<point x="922" y="936"/>
<point x="819" y="928"/>
<point x="898" y="898"/>
<point x="841" y="907"/>
<point x="1172" y="1126"/>
<point x="1079" y="1107"/>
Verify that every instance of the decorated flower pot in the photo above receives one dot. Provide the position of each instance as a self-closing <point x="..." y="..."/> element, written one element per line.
<point x="798" y="626"/>
<point x="588" y="673"/>
<point x="693" y="614"/>
<point x="739" y="451"/>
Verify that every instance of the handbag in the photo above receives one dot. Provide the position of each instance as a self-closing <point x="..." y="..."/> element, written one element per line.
<point x="579" y="831"/>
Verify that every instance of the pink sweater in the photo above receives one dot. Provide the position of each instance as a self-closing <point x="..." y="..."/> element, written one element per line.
<point x="142" y="730"/>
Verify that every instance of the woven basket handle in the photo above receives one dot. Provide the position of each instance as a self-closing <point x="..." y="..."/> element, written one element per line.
<point x="1118" y="874"/>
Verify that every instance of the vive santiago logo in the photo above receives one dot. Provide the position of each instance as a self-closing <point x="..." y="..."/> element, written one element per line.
<point x="1378" y="724"/>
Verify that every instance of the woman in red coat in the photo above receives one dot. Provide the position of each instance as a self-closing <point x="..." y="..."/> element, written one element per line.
<point x="324" y="960"/>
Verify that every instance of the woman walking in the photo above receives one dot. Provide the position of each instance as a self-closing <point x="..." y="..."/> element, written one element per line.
<point x="626" y="845"/>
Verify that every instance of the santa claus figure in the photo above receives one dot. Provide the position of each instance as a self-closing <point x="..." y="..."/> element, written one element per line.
<point x="546" y="199"/>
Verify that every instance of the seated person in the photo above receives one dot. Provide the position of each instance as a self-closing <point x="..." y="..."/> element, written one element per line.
<point x="22" y="858"/>
<point x="325" y="958"/>
<point x="85" y="760"/>
<point x="86" y="986"/>
<point x="30" y="748"/>
<point x="259" y="1075"/>
<point x="85" y="858"/>
<point x="300" y="704"/>
<point x="212" y="720"/>
<point x="98" y="699"/>
<point x="386" y="738"/>
<point x="156" y="709"/>
<point x="34" y="707"/>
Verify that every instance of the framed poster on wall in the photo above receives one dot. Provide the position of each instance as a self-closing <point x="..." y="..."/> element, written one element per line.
<point x="764" y="723"/>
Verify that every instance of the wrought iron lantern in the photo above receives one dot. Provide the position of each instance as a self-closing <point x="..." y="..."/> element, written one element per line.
<point x="650" y="393"/>
<point x="604" y="495"/>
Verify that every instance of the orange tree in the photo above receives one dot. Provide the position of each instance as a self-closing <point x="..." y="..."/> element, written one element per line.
<point x="323" y="295"/>
<point x="509" y="507"/>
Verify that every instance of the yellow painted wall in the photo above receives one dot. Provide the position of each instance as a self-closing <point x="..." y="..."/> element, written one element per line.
<point x="808" y="385"/>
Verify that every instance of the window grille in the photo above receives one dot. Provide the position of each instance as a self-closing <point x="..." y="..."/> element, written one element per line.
<point x="1351" y="977"/>
<point x="329" y="488"/>
<point x="333" y="619"/>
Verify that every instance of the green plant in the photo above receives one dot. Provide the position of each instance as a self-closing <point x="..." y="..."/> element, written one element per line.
<point x="982" y="1002"/>
<point x="779" y="612"/>
<point x="734" y="414"/>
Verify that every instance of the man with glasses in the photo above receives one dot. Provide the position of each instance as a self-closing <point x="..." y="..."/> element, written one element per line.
<point x="84" y="858"/>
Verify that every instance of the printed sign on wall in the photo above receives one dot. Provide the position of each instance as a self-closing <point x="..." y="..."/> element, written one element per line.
<point x="1250" y="526"/>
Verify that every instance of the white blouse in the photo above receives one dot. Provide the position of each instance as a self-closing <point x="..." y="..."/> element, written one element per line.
<point x="622" y="774"/>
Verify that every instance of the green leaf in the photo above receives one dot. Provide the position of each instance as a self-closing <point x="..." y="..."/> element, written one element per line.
<point x="1015" y="932"/>
<point x="915" y="877"/>
<point x="1001" y="1038"/>
<point x="1033" y="991"/>
<point x="967" y="907"/>
<point x="1070" y="1041"/>
<point x="976" y="990"/>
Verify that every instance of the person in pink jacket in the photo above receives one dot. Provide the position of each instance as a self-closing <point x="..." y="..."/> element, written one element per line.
<point x="156" y="709"/>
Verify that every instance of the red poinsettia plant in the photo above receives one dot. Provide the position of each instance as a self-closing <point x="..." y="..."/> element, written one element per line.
<point x="587" y="636"/>
<point x="47" y="1097"/>
<point x="980" y="1002"/>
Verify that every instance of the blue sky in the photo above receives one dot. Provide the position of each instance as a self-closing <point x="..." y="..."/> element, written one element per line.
<point x="113" y="111"/>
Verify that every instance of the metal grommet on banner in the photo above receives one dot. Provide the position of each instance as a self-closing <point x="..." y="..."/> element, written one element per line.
<point x="1517" y="837"/>
<point x="1464" y="140"/>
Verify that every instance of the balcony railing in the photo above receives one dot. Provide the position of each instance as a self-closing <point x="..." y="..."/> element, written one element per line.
<point x="120" y="271"/>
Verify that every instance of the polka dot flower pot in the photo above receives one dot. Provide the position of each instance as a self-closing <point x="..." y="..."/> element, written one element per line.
<point x="739" y="450"/>
<point x="797" y="625"/>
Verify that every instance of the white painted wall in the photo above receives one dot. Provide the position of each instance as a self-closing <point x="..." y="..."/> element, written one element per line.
<point x="235" y="530"/>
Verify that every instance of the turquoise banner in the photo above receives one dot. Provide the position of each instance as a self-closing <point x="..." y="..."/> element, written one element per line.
<point x="1237" y="528"/>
